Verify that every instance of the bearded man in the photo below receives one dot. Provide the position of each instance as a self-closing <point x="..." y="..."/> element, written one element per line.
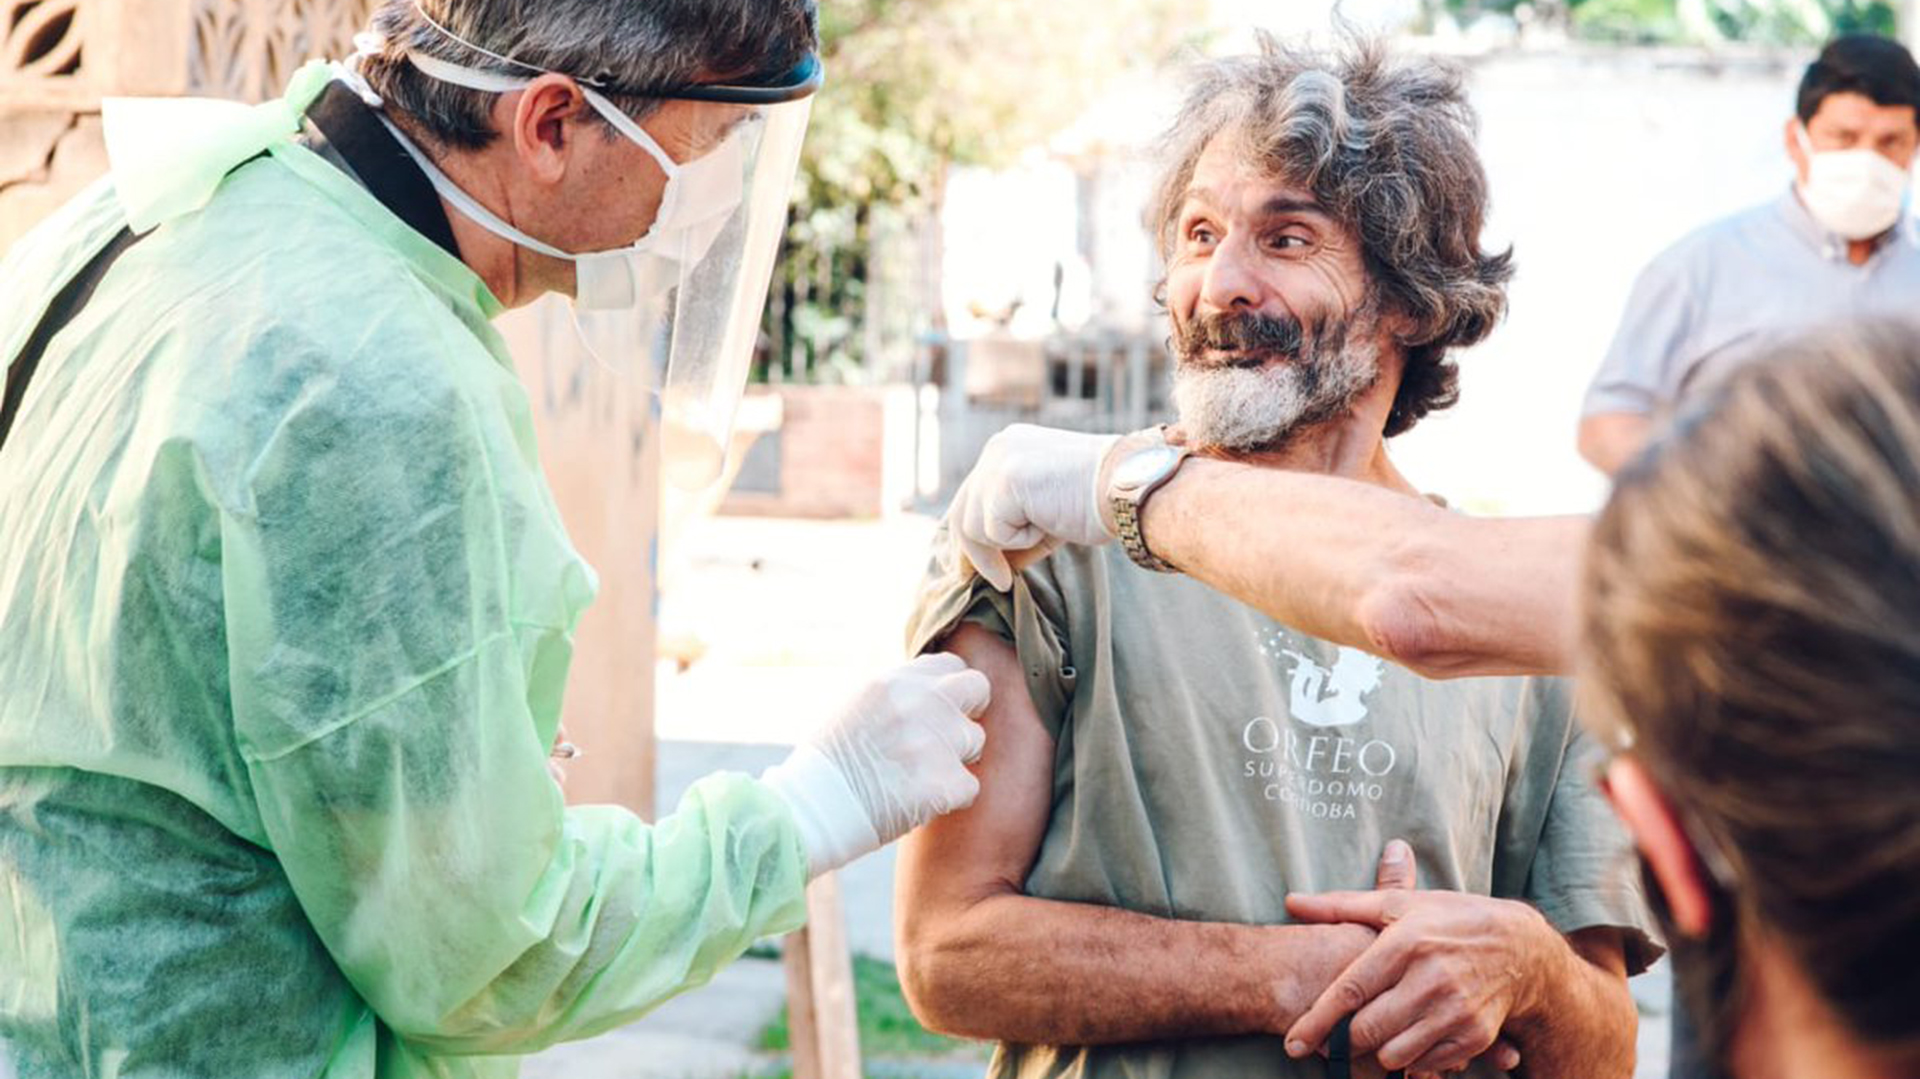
<point x="1170" y="775"/>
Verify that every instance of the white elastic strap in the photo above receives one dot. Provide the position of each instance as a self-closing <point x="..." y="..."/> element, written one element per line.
<point x="464" y="43"/>
<point x="834" y="826"/>
<point x="626" y="126"/>
<point x="365" y="43"/>
<point x="466" y="203"/>
<point x="494" y="82"/>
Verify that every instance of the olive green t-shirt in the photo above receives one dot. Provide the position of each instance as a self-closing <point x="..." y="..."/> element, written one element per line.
<point x="1210" y="760"/>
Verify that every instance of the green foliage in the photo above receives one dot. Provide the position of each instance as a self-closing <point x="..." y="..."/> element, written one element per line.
<point x="1640" y="22"/>
<point x="887" y="1027"/>
<point x="1873" y="17"/>
<point x="914" y="86"/>
<point x="1627" y="22"/>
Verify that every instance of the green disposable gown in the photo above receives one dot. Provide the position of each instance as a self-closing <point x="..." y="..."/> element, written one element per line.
<point x="285" y="616"/>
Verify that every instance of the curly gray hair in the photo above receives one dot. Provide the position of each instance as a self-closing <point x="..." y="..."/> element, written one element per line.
<point x="1386" y="145"/>
<point x="624" y="42"/>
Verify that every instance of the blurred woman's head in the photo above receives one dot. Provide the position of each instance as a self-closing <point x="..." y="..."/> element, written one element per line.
<point x="1752" y="641"/>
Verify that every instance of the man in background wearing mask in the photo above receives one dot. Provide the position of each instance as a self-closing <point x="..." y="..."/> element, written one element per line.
<point x="1838" y="246"/>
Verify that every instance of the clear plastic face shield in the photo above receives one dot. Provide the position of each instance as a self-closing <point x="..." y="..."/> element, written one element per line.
<point x="720" y="292"/>
<point x="679" y="310"/>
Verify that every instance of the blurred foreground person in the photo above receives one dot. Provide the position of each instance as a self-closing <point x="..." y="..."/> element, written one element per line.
<point x="1752" y="646"/>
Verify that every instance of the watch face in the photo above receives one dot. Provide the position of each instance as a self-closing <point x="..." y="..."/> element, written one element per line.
<point x="1144" y="466"/>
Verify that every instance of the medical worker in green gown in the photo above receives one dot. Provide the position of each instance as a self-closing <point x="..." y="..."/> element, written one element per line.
<point x="285" y="604"/>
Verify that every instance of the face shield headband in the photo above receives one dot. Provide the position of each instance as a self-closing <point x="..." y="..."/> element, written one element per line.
<point x="686" y="299"/>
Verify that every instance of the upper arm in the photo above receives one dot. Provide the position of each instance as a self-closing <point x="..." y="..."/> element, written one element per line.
<point x="987" y="849"/>
<point x="379" y="695"/>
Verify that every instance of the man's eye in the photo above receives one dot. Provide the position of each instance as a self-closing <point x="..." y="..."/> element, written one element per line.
<point x="1286" y="241"/>
<point x="1201" y="235"/>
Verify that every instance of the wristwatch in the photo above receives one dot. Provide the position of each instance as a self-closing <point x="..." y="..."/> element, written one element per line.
<point x="1140" y="474"/>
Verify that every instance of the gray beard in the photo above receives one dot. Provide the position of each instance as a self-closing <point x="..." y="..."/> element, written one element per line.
<point x="1240" y="410"/>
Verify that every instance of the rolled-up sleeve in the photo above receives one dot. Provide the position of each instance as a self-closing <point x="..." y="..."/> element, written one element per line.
<point x="1583" y="872"/>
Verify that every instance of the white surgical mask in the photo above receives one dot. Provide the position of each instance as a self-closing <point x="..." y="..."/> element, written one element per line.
<point x="1855" y="194"/>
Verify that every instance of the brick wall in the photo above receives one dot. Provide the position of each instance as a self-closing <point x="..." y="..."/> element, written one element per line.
<point x="840" y="451"/>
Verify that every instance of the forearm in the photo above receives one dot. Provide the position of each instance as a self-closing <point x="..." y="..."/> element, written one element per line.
<point x="1019" y="969"/>
<point x="1444" y="594"/>
<point x="624" y="916"/>
<point x="1583" y="1022"/>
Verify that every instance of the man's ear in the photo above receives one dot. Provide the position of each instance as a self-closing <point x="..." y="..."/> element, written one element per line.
<point x="1796" y="153"/>
<point x="1656" y="828"/>
<point x="543" y="123"/>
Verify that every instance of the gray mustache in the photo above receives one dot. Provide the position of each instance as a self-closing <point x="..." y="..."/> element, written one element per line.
<point x="1241" y="333"/>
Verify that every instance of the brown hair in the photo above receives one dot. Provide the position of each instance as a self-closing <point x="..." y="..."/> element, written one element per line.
<point x="1752" y="632"/>
<point x="1386" y="144"/>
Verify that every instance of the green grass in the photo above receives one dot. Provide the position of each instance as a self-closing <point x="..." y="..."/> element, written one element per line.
<point x="887" y="1027"/>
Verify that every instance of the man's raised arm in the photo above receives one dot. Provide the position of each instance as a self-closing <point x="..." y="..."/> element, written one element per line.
<point x="1441" y="593"/>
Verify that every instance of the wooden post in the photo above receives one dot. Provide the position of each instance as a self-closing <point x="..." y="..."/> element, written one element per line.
<point x="822" y="1015"/>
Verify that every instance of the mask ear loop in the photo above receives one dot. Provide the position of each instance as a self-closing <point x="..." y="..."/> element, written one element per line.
<point x="652" y="349"/>
<point x="586" y="344"/>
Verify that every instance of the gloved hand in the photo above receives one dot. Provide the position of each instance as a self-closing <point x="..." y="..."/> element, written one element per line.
<point x="1033" y="489"/>
<point x="893" y="760"/>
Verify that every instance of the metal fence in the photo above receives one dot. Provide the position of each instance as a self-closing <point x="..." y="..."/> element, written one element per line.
<point x="1099" y="381"/>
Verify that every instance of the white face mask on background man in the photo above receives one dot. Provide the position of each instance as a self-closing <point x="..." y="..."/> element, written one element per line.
<point x="1856" y="194"/>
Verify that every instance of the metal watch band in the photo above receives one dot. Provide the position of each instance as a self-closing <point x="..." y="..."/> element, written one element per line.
<point x="1126" y="515"/>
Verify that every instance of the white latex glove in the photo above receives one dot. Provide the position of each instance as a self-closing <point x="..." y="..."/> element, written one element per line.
<point x="1033" y="489"/>
<point x="894" y="759"/>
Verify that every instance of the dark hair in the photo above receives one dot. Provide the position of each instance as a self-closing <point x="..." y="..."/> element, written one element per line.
<point x="1752" y="633"/>
<point x="1877" y="68"/>
<point x="627" y="42"/>
<point x="1385" y="142"/>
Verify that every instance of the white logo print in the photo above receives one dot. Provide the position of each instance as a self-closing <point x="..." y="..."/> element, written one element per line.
<point x="1315" y="772"/>
<point x="1320" y="697"/>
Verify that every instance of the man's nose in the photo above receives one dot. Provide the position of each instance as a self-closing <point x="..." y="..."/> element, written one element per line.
<point x="1232" y="282"/>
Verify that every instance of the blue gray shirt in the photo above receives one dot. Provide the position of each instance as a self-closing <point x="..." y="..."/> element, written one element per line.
<point x="1729" y="291"/>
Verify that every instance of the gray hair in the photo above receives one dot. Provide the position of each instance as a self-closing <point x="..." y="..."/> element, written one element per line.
<point x="623" y="42"/>
<point x="1386" y="145"/>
